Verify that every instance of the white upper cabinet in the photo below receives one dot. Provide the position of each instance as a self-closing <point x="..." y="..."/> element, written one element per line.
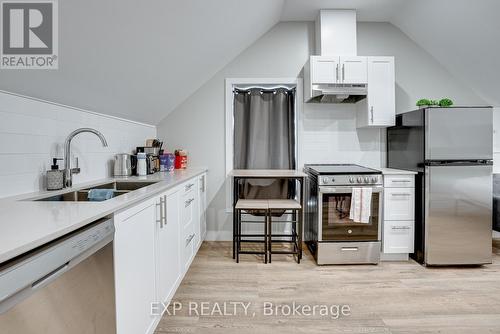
<point x="337" y="70"/>
<point x="353" y="70"/>
<point x="379" y="108"/>
<point x="324" y="70"/>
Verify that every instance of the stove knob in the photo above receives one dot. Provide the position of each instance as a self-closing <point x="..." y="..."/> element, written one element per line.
<point x="349" y="231"/>
<point x="360" y="179"/>
<point x="367" y="179"/>
<point x="325" y="180"/>
<point x="374" y="179"/>
<point x="351" y="179"/>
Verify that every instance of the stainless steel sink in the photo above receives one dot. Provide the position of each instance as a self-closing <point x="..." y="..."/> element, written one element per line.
<point x="119" y="187"/>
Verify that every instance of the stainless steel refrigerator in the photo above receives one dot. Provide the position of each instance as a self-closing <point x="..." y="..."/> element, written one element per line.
<point x="452" y="151"/>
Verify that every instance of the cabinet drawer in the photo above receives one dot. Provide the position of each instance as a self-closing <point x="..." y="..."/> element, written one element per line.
<point x="189" y="186"/>
<point x="398" y="236"/>
<point x="187" y="245"/>
<point x="399" y="181"/>
<point x="399" y="204"/>
<point x="188" y="205"/>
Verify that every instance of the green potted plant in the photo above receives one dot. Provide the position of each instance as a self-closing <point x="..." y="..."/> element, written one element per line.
<point x="446" y="102"/>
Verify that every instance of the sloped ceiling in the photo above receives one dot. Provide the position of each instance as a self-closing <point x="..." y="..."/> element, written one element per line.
<point x="366" y="10"/>
<point x="463" y="35"/>
<point x="140" y="59"/>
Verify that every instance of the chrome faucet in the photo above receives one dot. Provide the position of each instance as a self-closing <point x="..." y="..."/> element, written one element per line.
<point x="68" y="172"/>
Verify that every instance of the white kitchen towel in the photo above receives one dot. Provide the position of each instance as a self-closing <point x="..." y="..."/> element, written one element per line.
<point x="361" y="207"/>
<point x="355" y="212"/>
<point x="366" y="205"/>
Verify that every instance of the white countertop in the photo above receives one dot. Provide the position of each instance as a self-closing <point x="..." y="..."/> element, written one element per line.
<point x="392" y="171"/>
<point x="25" y="225"/>
<point x="267" y="173"/>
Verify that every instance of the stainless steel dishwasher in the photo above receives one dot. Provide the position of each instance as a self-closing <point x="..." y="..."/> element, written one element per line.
<point x="66" y="286"/>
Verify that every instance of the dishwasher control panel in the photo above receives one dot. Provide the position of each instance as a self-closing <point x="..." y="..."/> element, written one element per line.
<point x="37" y="268"/>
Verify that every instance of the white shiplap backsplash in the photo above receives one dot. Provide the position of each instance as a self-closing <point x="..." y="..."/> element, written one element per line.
<point x="32" y="132"/>
<point x="328" y="134"/>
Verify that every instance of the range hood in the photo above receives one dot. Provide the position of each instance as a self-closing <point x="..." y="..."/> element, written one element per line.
<point x="336" y="40"/>
<point x="338" y="93"/>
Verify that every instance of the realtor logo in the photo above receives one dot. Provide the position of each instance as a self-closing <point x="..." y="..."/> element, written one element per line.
<point x="29" y="35"/>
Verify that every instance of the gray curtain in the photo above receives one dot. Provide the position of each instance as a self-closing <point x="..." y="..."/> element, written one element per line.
<point x="264" y="138"/>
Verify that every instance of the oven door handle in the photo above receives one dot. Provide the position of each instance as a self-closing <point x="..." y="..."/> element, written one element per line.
<point x="344" y="190"/>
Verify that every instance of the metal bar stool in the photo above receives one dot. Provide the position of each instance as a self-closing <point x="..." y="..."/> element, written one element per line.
<point x="295" y="238"/>
<point x="247" y="206"/>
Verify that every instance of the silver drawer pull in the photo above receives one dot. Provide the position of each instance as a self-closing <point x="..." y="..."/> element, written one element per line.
<point x="349" y="249"/>
<point x="400" y="227"/>
<point x="189" y="186"/>
<point x="188" y="202"/>
<point x="401" y="194"/>
<point x="401" y="181"/>
<point x="188" y="240"/>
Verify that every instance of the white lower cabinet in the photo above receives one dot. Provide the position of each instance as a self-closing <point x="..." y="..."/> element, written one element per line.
<point x="135" y="268"/>
<point x="399" y="204"/>
<point x="168" y="243"/>
<point x="399" y="214"/>
<point x="155" y="243"/>
<point x="202" y="207"/>
<point x="187" y="244"/>
<point x="398" y="237"/>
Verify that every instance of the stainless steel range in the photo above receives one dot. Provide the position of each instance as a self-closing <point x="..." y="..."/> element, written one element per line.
<point x="330" y="232"/>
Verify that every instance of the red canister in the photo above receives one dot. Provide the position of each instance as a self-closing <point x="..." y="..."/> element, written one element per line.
<point x="181" y="159"/>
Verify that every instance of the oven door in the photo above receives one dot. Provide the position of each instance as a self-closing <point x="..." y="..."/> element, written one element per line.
<point x="333" y="218"/>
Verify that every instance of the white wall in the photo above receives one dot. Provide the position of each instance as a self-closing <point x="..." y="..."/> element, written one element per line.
<point x="327" y="132"/>
<point x="32" y="132"/>
<point x="496" y="140"/>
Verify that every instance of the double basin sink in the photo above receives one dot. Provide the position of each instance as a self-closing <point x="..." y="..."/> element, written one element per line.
<point x="81" y="195"/>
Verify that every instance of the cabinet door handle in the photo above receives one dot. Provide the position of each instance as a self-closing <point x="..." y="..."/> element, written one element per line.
<point x="189" y="186"/>
<point x="343" y="72"/>
<point x="161" y="205"/>
<point x="202" y="187"/>
<point x="188" y="239"/>
<point x="401" y="181"/>
<point x="165" y="210"/>
<point x="188" y="202"/>
<point x="337" y="73"/>
<point x="400" y="194"/>
<point x="400" y="227"/>
<point x="371" y="114"/>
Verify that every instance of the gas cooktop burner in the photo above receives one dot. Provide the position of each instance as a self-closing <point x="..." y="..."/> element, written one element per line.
<point x="334" y="169"/>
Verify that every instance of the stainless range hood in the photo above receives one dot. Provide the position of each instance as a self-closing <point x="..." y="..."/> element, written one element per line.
<point x="327" y="77"/>
<point x="338" y="93"/>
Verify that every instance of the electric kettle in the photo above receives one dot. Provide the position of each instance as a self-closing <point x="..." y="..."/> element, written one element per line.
<point x="123" y="164"/>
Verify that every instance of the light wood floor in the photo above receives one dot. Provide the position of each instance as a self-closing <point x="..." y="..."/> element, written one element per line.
<point x="396" y="297"/>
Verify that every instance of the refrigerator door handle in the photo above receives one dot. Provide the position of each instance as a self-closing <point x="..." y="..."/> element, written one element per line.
<point x="437" y="163"/>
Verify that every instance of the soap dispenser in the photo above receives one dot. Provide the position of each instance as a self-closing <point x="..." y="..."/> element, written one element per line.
<point x="55" y="176"/>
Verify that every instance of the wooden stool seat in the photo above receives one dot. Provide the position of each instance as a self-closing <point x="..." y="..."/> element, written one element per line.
<point x="285" y="204"/>
<point x="252" y="204"/>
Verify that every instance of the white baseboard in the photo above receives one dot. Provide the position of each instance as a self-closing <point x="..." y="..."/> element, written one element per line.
<point x="219" y="236"/>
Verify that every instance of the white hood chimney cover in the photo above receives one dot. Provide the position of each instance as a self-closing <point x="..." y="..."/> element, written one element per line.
<point x="336" y="33"/>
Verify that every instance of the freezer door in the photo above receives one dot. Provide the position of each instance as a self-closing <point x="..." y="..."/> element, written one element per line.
<point x="459" y="133"/>
<point x="458" y="215"/>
